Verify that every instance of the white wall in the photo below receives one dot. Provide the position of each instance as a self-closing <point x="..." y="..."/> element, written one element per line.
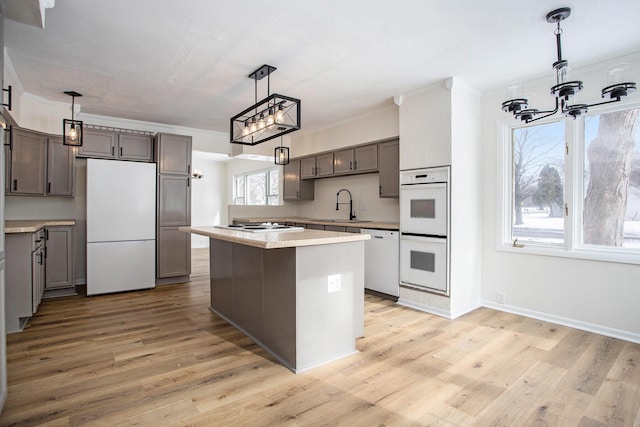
<point x="594" y="295"/>
<point x="208" y="194"/>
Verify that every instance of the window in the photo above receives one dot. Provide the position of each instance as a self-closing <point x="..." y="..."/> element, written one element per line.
<point x="572" y="187"/>
<point x="257" y="188"/>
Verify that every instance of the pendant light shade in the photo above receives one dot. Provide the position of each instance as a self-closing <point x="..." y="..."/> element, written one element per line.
<point x="281" y="153"/>
<point x="71" y="128"/>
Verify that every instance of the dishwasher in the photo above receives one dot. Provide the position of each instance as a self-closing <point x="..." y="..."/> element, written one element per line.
<point x="381" y="259"/>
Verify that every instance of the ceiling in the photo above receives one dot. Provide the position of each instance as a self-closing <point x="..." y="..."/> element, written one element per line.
<point x="186" y="62"/>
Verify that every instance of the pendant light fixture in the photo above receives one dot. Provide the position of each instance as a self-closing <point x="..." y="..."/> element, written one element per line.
<point x="274" y="116"/>
<point x="281" y="153"/>
<point x="564" y="88"/>
<point x="71" y="128"/>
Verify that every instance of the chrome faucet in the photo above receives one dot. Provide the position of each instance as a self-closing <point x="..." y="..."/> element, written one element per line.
<point x="352" y="214"/>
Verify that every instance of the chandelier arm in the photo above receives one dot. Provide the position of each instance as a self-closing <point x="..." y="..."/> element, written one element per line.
<point x="617" y="99"/>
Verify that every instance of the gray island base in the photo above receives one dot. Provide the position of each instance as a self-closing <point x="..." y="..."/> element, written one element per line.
<point x="299" y="295"/>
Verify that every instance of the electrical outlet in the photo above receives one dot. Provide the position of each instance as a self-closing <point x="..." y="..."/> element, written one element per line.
<point x="334" y="283"/>
<point x="500" y="297"/>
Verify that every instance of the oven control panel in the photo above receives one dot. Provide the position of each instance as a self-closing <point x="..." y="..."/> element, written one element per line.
<point x="424" y="176"/>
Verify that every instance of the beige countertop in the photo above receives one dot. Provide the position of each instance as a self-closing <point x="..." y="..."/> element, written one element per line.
<point x="281" y="239"/>
<point x="342" y="223"/>
<point x="33" y="225"/>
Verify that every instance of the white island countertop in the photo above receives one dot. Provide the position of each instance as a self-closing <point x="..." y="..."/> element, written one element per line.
<point x="277" y="239"/>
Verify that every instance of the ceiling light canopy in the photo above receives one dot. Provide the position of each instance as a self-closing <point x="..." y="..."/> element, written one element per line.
<point x="565" y="89"/>
<point x="71" y="128"/>
<point x="267" y="119"/>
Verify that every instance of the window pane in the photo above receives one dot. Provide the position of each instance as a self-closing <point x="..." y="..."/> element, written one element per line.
<point x="612" y="179"/>
<point x="256" y="187"/>
<point x="273" y="200"/>
<point x="273" y="183"/>
<point x="537" y="183"/>
<point x="239" y="190"/>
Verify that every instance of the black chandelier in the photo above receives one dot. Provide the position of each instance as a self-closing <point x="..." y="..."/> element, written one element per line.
<point x="563" y="90"/>
<point x="72" y="128"/>
<point x="270" y="118"/>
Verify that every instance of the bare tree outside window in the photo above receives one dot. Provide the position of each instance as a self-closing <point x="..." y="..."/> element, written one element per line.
<point x="537" y="152"/>
<point x="612" y="180"/>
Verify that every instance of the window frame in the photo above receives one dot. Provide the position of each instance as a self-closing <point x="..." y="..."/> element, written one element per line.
<point x="267" y="190"/>
<point x="573" y="194"/>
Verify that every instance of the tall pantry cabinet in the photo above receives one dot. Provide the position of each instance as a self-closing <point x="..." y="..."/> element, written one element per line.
<point x="173" y="247"/>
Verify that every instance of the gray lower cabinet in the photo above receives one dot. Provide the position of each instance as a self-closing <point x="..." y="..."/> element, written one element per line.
<point x="389" y="168"/>
<point x="59" y="262"/>
<point x="173" y="253"/>
<point x="25" y="272"/>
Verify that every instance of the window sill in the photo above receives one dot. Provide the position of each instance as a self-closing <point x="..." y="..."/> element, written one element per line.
<point x="603" y="255"/>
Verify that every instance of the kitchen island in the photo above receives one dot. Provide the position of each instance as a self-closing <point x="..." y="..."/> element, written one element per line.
<point x="298" y="294"/>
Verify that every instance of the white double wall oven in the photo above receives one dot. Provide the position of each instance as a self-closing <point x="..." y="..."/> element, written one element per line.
<point x="424" y="229"/>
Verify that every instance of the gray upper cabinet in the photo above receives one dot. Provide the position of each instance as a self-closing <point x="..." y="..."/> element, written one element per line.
<point x="355" y="160"/>
<point x="343" y="161"/>
<point x="27" y="162"/>
<point x="99" y="144"/>
<point x="308" y="167"/>
<point x="366" y="158"/>
<point x="39" y="165"/>
<point x="316" y="166"/>
<point x="324" y="164"/>
<point x="294" y="187"/>
<point x="389" y="166"/>
<point x="60" y="168"/>
<point x="137" y="147"/>
<point x="106" y="144"/>
<point x="173" y="154"/>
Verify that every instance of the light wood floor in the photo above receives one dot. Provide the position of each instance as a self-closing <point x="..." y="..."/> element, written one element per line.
<point x="159" y="357"/>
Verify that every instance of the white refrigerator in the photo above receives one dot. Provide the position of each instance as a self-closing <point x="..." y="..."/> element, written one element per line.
<point x="121" y="226"/>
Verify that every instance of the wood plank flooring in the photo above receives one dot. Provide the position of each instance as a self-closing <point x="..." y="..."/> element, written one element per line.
<point x="159" y="357"/>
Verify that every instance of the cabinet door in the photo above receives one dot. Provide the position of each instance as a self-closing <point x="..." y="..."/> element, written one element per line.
<point x="343" y="161"/>
<point x="389" y="165"/>
<point x="324" y="164"/>
<point x="294" y="187"/>
<point x="174" y="252"/>
<point x="308" y="167"/>
<point x="37" y="277"/>
<point x="173" y="154"/>
<point x="135" y="147"/>
<point x="28" y="162"/>
<point x="366" y="158"/>
<point x="60" y="168"/>
<point x="174" y="200"/>
<point x="98" y="144"/>
<point x="59" y="265"/>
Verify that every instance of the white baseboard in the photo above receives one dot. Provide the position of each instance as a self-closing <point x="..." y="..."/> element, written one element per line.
<point x="427" y="309"/>
<point x="577" y="324"/>
<point x="466" y="309"/>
